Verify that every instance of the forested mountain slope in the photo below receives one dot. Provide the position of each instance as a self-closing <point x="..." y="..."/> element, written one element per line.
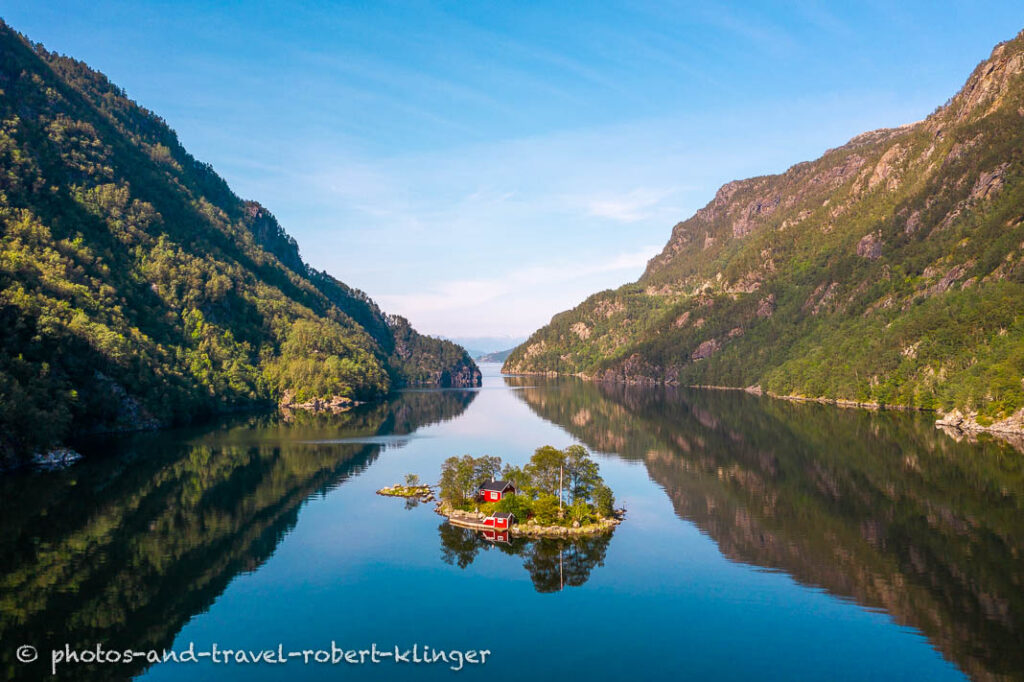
<point x="137" y="290"/>
<point x="890" y="270"/>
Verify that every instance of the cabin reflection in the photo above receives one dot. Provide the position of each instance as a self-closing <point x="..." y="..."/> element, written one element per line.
<point x="552" y="563"/>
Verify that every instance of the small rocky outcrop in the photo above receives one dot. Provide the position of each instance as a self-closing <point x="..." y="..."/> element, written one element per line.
<point x="705" y="350"/>
<point x="870" y="246"/>
<point x="766" y="306"/>
<point x="989" y="183"/>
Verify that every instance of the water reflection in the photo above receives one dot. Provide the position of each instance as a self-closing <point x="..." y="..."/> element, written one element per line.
<point x="880" y="508"/>
<point x="553" y="563"/>
<point x="128" y="545"/>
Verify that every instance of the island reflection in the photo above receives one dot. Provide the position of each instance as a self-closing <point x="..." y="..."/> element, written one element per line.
<point x="881" y="508"/>
<point x="553" y="563"/>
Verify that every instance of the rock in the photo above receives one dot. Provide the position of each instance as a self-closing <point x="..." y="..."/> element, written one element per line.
<point x="581" y="330"/>
<point x="913" y="223"/>
<point x="887" y="170"/>
<point x="705" y="349"/>
<point x="575" y="524"/>
<point x="989" y="183"/>
<point x="870" y="246"/>
<point x="766" y="306"/>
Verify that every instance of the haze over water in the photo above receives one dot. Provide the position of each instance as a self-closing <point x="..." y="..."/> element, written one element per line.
<point x="763" y="539"/>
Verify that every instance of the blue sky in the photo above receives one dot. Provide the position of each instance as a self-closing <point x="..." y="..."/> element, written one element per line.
<point x="479" y="166"/>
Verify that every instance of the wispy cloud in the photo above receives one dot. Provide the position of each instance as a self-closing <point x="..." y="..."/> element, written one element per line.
<point x="629" y="207"/>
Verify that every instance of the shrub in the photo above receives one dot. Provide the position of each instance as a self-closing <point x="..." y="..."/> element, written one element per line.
<point x="545" y="509"/>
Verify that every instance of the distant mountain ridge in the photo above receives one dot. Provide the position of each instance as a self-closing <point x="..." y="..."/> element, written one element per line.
<point x="137" y="290"/>
<point x="888" y="271"/>
<point x="499" y="356"/>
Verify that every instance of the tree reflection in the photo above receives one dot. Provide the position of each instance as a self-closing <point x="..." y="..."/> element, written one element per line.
<point x="125" y="547"/>
<point x="553" y="563"/>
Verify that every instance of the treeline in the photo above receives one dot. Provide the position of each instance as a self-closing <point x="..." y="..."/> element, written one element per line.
<point x="556" y="487"/>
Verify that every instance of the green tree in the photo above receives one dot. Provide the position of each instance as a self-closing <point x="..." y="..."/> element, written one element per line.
<point x="519" y="478"/>
<point x="604" y="500"/>
<point x="456" y="483"/>
<point x="520" y="505"/>
<point x="546" y="469"/>
<point x="461" y="477"/>
<point x="486" y="468"/>
<point x="581" y="473"/>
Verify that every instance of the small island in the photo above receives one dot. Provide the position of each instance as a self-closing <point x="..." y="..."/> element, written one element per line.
<point x="411" y="489"/>
<point x="557" y="493"/>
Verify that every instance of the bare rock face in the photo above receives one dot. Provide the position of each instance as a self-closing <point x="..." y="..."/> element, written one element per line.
<point x="913" y="223"/>
<point x="581" y="330"/>
<point x="870" y="246"/>
<point x="989" y="183"/>
<point x="755" y="210"/>
<point x="887" y="170"/>
<point x="843" y="237"/>
<point x="132" y="415"/>
<point x="766" y="306"/>
<point x="1010" y="429"/>
<point x="989" y="83"/>
<point x="705" y="350"/>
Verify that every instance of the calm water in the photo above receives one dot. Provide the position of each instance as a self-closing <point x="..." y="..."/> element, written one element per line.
<point x="764" y="540"/>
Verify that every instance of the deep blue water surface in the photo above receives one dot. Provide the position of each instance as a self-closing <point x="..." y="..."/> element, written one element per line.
<point x="763" y="540"/>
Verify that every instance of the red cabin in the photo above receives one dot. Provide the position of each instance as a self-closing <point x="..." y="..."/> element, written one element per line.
<point x="493" y="491"/>
<point x="501" y="520"/>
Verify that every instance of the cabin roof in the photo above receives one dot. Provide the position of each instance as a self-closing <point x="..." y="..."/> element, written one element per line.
<point x="504" y="515"/>
<point x="496" y="486"/>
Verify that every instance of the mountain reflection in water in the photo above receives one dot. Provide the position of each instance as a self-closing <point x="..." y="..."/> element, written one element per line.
<point x="128" y="545"/>
<point x="881" y="508"/>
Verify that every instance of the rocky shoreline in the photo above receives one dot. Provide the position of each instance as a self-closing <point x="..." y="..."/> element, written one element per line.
<point x="961" y="425"/>
<point x="530" y="528"/>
